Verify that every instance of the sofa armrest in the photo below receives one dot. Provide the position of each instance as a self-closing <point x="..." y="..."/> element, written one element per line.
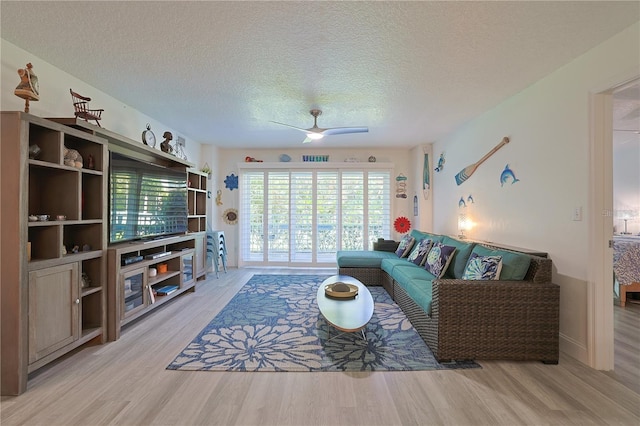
<point x="385" y="245"/>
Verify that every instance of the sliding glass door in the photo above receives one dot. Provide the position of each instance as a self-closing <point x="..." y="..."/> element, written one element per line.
<point x="303" y="217"/>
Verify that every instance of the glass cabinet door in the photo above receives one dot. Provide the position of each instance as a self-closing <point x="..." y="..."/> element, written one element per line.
<point x="187" y="268"/>
<point x="133" y="284"/>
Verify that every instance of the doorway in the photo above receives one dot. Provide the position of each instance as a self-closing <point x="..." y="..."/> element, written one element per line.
<point x="600" y="312"/>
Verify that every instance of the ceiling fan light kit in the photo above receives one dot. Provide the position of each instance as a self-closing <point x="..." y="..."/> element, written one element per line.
<point x="316" y="133"/>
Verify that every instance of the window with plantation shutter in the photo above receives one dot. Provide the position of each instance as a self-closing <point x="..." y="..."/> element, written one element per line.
<point x="292" y="217"/>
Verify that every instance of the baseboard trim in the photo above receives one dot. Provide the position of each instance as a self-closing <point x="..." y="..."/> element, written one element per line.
<point x="574" y="349"/>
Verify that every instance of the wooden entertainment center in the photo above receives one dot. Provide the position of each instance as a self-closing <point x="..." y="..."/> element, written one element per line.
<point x="133" y="288"/>
<point x="63" y="286"/>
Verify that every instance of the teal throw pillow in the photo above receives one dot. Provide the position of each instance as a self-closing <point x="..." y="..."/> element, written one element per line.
<point x="406" y="243"/>
<point x="420" y="251"/>
<point x="460" y="258"/>
<point x="438" y="259"/>
<point x="514" y="265"/>
<point x="483" y="267"/>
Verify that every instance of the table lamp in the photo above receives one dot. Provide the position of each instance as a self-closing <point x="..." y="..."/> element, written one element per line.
<point x="626" y="215"/>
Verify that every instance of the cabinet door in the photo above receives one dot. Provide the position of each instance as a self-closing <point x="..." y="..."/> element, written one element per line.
<point x="134" y="288"/>
<point x="53" y="309"/>
<point x="200" y="257"/>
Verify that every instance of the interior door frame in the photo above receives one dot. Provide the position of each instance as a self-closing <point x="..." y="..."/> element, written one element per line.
<point x="600" y="336"/>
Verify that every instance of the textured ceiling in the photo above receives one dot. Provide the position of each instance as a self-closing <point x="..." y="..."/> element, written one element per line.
<point x="219" y="72"/>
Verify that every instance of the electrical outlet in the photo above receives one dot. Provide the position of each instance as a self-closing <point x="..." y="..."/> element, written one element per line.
<point x="180" y="141"/>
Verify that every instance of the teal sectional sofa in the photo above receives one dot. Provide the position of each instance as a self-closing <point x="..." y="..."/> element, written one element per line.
<point x="514" y="317"/>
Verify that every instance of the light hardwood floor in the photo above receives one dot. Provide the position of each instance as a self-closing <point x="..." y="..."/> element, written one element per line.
<point x="125" y="383"/>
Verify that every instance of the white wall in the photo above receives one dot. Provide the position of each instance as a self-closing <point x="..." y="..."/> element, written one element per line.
<point x="548" y="124"/>
<point x="229" y="159"/>
<point x="55" y="99"/>
<point x="626" y="180"/>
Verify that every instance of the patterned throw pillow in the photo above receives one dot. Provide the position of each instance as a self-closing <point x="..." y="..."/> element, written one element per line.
<point x="438" y="259"/>
<point x="420" y="251"/>
<point x="405" y="246"/>
<point x="483" y="267"/>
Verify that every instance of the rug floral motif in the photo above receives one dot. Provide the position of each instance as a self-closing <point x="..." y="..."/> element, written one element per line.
<point x="273" y="324"/>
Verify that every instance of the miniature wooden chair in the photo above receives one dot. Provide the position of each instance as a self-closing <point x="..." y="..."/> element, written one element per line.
<point x="81" y="105"/>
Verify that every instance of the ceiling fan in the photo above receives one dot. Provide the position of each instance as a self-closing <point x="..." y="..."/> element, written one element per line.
<point x="315" y="132"/>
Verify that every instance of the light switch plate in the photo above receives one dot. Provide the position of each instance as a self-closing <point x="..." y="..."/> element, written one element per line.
<point x="577" y="213"/>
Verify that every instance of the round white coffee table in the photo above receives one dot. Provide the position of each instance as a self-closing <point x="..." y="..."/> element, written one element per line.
<point x="347" y="315"/>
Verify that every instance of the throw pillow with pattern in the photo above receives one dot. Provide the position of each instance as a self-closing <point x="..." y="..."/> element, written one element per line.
<point x="483" y="267"/>
<point x="438" y="259"/>
<point x="420" y="251"/>
<point x="405" y="246"/>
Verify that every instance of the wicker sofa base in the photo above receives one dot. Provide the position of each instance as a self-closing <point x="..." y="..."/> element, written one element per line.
<point x="509" y="320"/>
<point x="367" y="276"/>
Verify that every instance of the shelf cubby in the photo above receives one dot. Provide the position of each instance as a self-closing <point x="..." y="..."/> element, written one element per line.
<point x="94" y="270"/>
<point x="81" y="235"/>
<point x="49" y="141"/>
<point x="85" y="150"/>
<point x="91" y="310"/>
<point x="92" y="199"/>
<point x="201" y="203"/>
<point x="43" y="238"/>
<point x="197" y="201"/>
<point x="54" y="191"/>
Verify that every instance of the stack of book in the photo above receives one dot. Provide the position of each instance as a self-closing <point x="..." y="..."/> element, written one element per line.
<point x="166" y="290"/>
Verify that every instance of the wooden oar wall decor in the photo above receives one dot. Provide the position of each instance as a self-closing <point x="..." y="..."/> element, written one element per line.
<point x="469" y="170"/>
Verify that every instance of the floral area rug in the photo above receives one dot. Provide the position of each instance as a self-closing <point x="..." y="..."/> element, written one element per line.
<point x="273" y="324"/>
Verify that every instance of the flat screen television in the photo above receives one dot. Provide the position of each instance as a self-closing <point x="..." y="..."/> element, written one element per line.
<point x="145" y="200"/>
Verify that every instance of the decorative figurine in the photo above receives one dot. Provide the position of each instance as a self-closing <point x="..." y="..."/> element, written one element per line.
<point x="165" y="146"/>
<point x="82" y="109"/>
<point x="34" y="151"/>
<point x="28" y="89"/>
<point x="72" y="158"/>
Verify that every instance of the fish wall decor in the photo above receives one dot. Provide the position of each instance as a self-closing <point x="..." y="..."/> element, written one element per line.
<point x="506" y="175"/>
<point x="441" y="162"/>
<point x="426" y="185"/>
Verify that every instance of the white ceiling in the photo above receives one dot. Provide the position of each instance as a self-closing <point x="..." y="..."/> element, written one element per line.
<point x="219" y="72"/>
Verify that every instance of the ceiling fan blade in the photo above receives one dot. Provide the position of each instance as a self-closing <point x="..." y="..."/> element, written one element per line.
<point x="345" y="130"/>
<point x="315" y="132"/>
<point x="293" y="127"/>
